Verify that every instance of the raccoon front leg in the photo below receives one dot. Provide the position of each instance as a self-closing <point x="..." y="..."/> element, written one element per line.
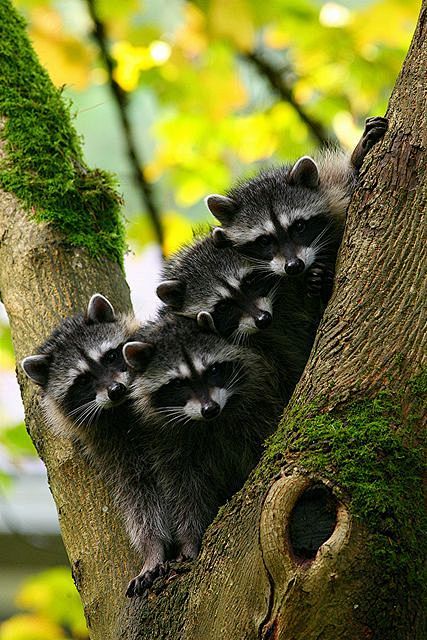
<point x="155" y="566"/>
<point x="375" y="129"/>
<point x="147" y="525"/>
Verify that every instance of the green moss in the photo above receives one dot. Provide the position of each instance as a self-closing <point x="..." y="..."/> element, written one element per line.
<point x="43" y="165"/>
<point x="370" y="453"/>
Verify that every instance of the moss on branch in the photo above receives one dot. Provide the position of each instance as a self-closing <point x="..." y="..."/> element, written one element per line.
<point x="368" y="450"/>
<point x="43" y="163"/>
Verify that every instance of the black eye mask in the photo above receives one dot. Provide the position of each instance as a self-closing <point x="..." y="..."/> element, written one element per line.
<point x="264" y="247"/>
<point x="226" y="316"/>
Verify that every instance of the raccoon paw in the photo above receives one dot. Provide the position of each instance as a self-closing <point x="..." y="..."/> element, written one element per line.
<point x="375" y="128"/>
<point x="327" y="285"/>
<point x="143" y="581"/>
<point x="314" y="279"/>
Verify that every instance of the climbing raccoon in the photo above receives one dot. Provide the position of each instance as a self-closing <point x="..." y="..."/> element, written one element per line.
<point x="85" y="396"/>
<point x="288" y="219"/>
<point x="206" y="407"/>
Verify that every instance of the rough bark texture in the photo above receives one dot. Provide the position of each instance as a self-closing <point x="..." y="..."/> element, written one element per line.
<point x="41" y="281"/>
<point x="257" y="575"/>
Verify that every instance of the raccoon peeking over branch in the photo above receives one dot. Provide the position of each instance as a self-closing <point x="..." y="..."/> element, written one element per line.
<point x="288" y="219"/>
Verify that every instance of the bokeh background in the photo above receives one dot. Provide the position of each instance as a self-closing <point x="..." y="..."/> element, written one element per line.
<point x="178" y="99"/>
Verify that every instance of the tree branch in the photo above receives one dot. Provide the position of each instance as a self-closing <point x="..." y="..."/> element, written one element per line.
<point x="282" y="88"/>
<point x="121" y="101"/>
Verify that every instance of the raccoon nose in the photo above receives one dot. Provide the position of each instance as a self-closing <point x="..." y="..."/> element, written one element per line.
<point x="211" y="410"/>
<point x="116" y="391"/>
<point x="294" y="266"/>
<point x="263" y="320"/>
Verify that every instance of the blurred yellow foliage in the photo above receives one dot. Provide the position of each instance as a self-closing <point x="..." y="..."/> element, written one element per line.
<point x="387" y="22"/>
<point x="52" y="595"/>
<point x="30" y="627"/>
<point x="131" y="61"/>
<point x="179" y="231"/>
<point x="67" y="58"/>
<point x="232" y="21"/>
<point x="191" y="36"/>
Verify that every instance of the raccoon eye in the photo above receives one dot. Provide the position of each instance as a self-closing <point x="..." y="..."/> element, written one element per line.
<point x="84" y="379"/>
<point x="178" y="383"/>
<point x="214" y="375"/>
<point x="111" y="356"/>
<point x="300" y="226"/>
<point x="264" y="241"/>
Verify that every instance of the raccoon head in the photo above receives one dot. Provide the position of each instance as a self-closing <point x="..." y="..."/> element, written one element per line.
<point x="80" y="368"/>
<point x="242" y="308"/>
<point x="219" y="289"/>
<point x="280" y="219"/>
<point x="184" y="375"/>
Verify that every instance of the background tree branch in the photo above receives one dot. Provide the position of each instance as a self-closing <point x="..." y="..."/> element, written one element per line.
<point x="120" y="98"/>
<point x="279" y="84"/>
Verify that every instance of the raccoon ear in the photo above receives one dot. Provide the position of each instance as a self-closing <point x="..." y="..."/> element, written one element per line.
<point x="305" y="173"/>
<point x="99" y="309"/>
<point x="172" y="292"/>
<point x="222" y="207"/>
<point x="138" y="354"/>
<point x="37" y="368"/>
<point x="220" y="239"/>
<point x="205" y="321"/>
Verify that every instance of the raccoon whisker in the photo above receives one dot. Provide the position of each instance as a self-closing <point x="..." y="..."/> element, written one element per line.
<point x="316" y="242"/>
<point x="86" y="413"/>
<point x="236" y="377"/>
<point x="83" y="412"/>
<point x="80" y="408"/>
<point x="176" y="419"/>
<point x="95" y="416"/>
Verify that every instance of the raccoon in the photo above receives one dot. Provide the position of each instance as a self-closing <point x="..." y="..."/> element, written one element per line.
<point x="221" y="291"/>
<point x="85" y="397"/>
<point x="218" y="288"/>
<point x="207" y="406"/>
<point x="290" y="219"/>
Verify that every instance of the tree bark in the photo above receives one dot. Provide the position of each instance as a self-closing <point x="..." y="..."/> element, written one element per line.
<point x="325" y="539"/>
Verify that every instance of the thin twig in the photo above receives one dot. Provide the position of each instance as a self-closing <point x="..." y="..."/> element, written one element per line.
<point x="120" y="97"/>
<point x="279" y="84"/>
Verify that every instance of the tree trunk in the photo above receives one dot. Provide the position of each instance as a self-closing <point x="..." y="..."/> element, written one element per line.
<point x="325" y="539"/>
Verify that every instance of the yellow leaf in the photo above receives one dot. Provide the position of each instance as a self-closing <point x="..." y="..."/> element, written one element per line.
<point x="66" y="59"/>
<point x="178" y="231"/>
<point x="30" y="627"/>
<point x="232" y="20"/>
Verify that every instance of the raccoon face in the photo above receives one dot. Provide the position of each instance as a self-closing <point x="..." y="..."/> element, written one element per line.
<point x="81" y="367"/>
<point x="278" y="220"/>
<point x="188" y="377"/>
<point x="244" y="309"/>
<point x="232" y="304"/>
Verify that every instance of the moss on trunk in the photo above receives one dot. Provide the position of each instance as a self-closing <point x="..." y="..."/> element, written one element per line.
<point x="43" y="163"/>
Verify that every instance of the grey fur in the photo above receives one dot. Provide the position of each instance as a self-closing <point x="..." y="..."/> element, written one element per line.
<point x="198" y="463"/>
<point x="273" y="203"/>
<point x="210" y="276"/>
<point x="108" y="434"/>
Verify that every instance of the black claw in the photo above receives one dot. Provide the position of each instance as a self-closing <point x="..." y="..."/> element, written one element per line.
<point x="376" y="121"/>
<point x="143" y="581"/>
